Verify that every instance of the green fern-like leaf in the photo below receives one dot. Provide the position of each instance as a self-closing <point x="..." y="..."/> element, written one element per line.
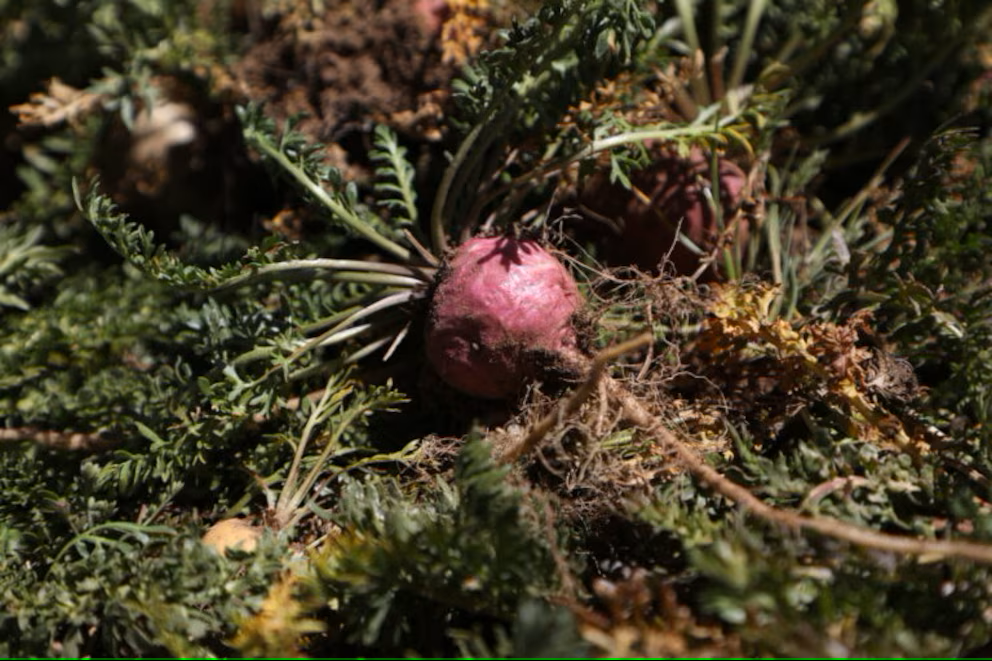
<point x="463" y="548"/>
<point x="25" y="263"/>
<point x="138" y="245"/>
<point x="294" y="157"/>
<point x="395" y="174"/>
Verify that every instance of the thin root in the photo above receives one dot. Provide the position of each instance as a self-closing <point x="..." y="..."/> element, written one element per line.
<point x="635" y="412"/>
<point x="596" y="370"/>
<point x="929" y="549"/>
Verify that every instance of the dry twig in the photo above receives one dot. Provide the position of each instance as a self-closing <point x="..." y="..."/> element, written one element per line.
<point x="637" y="414"/>
<point x="61" y="440"/>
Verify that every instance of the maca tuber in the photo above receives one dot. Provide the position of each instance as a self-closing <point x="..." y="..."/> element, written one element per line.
<point x="668" y="199"/>
<point x="232" y="533"/>
<point x="497" y="302"/>
<point x="432" y="13"/>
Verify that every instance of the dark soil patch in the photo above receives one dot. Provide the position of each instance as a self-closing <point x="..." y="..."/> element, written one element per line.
<point x="359" y="62"/>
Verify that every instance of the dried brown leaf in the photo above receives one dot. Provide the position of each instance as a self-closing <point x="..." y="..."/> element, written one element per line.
<point x="60" y="103"/>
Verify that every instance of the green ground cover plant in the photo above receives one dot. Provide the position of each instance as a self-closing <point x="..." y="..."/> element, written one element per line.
<point x="225" y="229"/>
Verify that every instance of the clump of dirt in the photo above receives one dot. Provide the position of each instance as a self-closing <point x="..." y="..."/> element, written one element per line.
<point x="357" y="62"/>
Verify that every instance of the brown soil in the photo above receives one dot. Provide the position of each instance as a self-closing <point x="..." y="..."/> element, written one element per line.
<point x="342" y="70"/>
<point x="359" y="62"/>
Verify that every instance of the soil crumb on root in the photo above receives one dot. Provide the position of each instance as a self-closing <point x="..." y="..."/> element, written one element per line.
<point x="359" y="60"/>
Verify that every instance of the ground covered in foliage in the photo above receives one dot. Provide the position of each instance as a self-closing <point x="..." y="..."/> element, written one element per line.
<point x="222" y="226"/>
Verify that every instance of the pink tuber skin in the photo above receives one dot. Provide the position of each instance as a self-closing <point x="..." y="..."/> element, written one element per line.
<point x="432" y="13"/>
<point x="497" y="301"/>
<point x="674" y="187"/>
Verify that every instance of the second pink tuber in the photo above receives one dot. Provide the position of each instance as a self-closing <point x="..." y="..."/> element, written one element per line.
<point x="672" y="200"/>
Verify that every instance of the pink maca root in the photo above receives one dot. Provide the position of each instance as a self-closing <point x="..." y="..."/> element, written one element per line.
<point x="671" y="201"/>
<point x="497" y="300"/>
<point x="432" y="13"/>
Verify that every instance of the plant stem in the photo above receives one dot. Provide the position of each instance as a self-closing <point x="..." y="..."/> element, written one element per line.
<point x="299" y="493"/>
<point x="298" y="266"/>
<point x="340" y="211"/>
<point x="754" y="11"/>
<point x="700" y="89"/>
<point x="603" y="144"/>
<point x="63" y="440"/>
<point x="439" y="241"/>
<point x="285" y="505"/>
<point x="341" y="331"/>
<point x="631" y="137"/>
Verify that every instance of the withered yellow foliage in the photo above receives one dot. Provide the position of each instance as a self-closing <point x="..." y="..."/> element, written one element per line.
<point x="277" y="629"/>
<point x="817" y="359"/>
<point x="463" y="30"/>
<point x="59" y="103"/>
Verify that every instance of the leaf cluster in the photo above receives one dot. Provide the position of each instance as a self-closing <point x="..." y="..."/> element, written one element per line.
<point x="202" y="390"/>
<point x="408" y="571"/>
<point x="789" y="595"/>
<point x="127" y="589"/>
<point x="929" y="287"/>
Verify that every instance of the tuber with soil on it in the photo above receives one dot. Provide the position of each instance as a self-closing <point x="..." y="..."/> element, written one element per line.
<point x="668" y="198"/>
<point x="499" y="302"/>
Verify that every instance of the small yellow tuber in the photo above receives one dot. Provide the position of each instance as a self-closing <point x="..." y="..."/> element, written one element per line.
<point x="232" y="534"/>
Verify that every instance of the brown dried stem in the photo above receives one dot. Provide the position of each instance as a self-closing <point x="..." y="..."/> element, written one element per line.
<point x="639" y="415"/>
<point x="636" y="413"/>
<point x="597" y="368"/>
